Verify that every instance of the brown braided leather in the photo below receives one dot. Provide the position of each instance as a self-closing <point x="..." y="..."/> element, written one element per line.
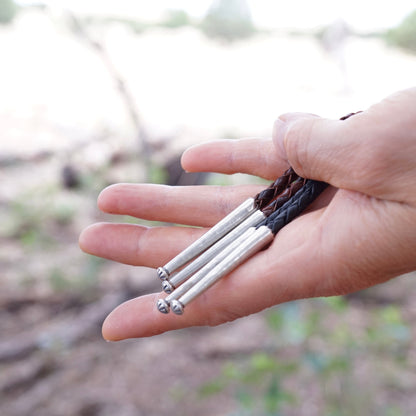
<point x="262" y="199"/>
<point x="284" y="196"/>
<point x="292" y="208"/>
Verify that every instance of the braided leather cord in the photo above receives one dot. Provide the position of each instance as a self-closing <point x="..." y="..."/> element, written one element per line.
<point x="262" y="199"/>
<point x="291" y="209"/>
<point x="281" y="203"/>
<point x="278" y="202"/>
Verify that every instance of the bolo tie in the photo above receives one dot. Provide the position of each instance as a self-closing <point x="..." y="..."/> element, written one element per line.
<point x="242" y="233"/>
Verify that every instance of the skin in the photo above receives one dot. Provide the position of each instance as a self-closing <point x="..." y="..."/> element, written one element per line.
<point x="360" y="232"/>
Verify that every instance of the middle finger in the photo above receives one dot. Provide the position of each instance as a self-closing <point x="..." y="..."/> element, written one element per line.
<point x="191" y="205"/>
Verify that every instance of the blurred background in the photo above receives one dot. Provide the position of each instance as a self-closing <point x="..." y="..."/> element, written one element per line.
<point x="98" y="92"/>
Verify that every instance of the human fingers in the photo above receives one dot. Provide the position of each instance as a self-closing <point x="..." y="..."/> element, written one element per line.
<point x="371" y="152"/>
<point x="191" y="205"/>
<point x="149" y="246"/>
<point x="253" y="156"/>
<point x="248" y="289"/>
<point x="311" y="256"/>
<point x="137" y="245"/>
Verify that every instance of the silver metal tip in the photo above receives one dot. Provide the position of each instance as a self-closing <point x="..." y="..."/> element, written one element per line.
<point x="162" y="273"/>
<point x="167" y="287"/>
<point x="177" y="307"/>
<point x="163" y="306"/>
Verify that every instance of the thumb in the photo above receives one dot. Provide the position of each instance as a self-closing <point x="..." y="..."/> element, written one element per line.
<point x="321" y="149"/>
<point x="371" y="152"/>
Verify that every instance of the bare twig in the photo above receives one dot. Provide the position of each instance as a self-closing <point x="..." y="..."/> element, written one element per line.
<point x="122" y="87"/>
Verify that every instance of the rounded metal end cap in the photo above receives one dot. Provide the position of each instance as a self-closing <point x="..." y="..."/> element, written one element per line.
<point x="162" y="273"/>
<point x="177" y="307"/>
<point x="163" y="306"/>
<point x="167" y="287"/>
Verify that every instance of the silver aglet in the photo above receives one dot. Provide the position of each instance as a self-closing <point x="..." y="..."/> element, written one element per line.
<point x="163" y="306"/>
<point x="177" y="307"/>
<point x="175" y="280"/>
<point x="167" y="287"/>
<point x="259" y="239"/>
<point x="210" y="237"/>
<point x="181" y="290"/>
<point x="162" y="273"/>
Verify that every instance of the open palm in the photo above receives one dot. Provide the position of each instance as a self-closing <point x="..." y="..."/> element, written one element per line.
<point x="347" y="240"/>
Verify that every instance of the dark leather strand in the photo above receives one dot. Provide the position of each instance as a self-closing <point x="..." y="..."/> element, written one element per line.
<point x="291" y="209"/>
<point x="262" y="199"/>
<point x="282" y="198"/>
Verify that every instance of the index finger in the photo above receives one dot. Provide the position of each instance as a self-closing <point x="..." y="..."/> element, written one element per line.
<point x="253" y="156"/>
<point x="191" y="205"/>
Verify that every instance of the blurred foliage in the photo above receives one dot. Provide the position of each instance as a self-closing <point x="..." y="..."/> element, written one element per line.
<point x="257" y="384"/>
<point x="157" y="174"/>
<point x="175" y="18"/>
<point x="228" y="20"/>
<point x="135" y="25"/>
<point x="172" y="19"/>
<point x="404" y="35"/>
<point x="36" y="217"/>
<point x="42" y="221"/>
<point x="8" y="11"/>
<point x="84" y="282"/>
<point x="317" y="346"/>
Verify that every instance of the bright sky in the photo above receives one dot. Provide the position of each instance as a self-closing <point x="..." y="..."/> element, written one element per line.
<point x="362" y="15"/>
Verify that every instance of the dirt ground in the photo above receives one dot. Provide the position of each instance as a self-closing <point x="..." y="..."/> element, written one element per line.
<point x="54" y="362"/>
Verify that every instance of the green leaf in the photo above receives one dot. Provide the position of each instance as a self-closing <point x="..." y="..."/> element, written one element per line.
<point x="263" y="362"/>
<point x="211" y="388"/>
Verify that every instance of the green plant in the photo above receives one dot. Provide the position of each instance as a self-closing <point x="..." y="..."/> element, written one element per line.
<point x="404" y="35"/>
<point x="157" y="174"/>
<point x="228" y="20"/>
<point x="26" y="222"/>
<point x="319" y="344"/>
<point x="8" y="11"/>
<point x="175" y="18"/>
<point x="83" y="281"/>
<point x="137" y="26"/>
<point x="257" y="383"/>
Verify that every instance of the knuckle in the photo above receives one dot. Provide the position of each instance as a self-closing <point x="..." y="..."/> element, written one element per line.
<point x="298" y="144"/>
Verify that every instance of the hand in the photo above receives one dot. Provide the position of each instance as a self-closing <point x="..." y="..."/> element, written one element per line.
<point x="360" y="232"/>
